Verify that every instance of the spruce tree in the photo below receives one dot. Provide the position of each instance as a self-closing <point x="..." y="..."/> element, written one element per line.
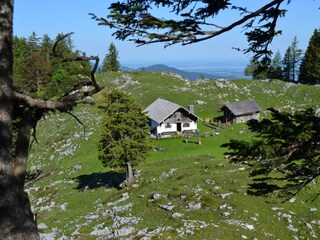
<point x="283" y="155"/>
<point x="111" y="62"/>
<point x="291" y="61"/>
<point x="252" y="69"/>
<point x="275" y="70"/>
<point x="33" y="42"/>
<point x="287" y="65"/>
<point x="309" y="69"/>
<point x="46" y="46"/>
<point x="124" y="134"/>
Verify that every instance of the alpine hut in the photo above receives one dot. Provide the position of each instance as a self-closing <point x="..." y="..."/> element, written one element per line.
<point x="167" y="117"/>
<point x="243" y="111"/>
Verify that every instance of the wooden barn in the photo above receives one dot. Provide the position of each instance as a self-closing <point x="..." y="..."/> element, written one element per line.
<point x="169" y="117"/>
<point x="238" y="112"/>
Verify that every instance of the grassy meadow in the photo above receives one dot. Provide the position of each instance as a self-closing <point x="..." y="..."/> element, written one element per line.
<point x="182" y="191"/>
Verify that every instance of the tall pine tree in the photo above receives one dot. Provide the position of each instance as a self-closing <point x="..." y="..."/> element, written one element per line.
<point x="291" y="61"/>
<point x="111" y="62"/>
<point x="287" y="65"/>
<point x="309" y="69"/>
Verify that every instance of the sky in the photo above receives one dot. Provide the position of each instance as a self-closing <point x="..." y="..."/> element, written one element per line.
<point x="63" y="16"/>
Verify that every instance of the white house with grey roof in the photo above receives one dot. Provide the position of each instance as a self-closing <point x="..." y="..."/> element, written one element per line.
<point x="243" y="111"/>
<point x="168" y="117"/>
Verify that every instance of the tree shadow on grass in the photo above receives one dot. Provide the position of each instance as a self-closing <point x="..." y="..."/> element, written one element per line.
<point x="97" y="180"/>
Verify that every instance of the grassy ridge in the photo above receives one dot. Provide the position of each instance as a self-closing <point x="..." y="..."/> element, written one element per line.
<point x="80" y="199"/>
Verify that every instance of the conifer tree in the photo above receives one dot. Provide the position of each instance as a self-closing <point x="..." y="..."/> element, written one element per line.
<point x="283" y="156"/>
<point x="252" y="70"/>
<point x="38" y="72"/>
<point x="275" y="70"/>
<point x="291" y="61"/>
<point x="287" y="65"/>
<point x="33" y="42"/>
<point x="111" y="62"/>
<point x="124" y="137"/>
<point x="309" y="69"/>
<point x="46" y="46"/>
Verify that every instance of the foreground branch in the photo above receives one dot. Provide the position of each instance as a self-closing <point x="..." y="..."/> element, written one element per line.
<point x="69" y="99"/>
<point x="134" y="22"/>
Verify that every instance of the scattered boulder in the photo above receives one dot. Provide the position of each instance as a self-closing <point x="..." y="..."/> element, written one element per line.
<point x="168" y="207"/>
<point x="226" y="214"/>
<point x="199" y="102"/>
<point x="157" y="196"/>
<point x="225" y="195"/>
<point x="183" y="197"/>
<point x="42" y="226"/>
<point x="77" y="167"/>
<point x="219" y="84"/>
<point x="158" y="149"/>
<point x="177" y="215"/>
<point x="288" y="85"/>
<point x="194" y="206"/>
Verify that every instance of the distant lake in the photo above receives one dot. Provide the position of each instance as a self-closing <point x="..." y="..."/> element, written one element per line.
<point x="219" y="68"/>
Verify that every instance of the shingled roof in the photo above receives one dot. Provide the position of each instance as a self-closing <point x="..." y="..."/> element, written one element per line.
<point x="161" y="109"/>
<point x="243" y="107"/>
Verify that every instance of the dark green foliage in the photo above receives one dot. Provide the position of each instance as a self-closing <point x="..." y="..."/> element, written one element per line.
<point x="291" y="61"/>
<point x="257" y="71"/>
<point x="287" y="65"/>
<point x="124" y="134"/>
<point x="284" y="156"/>
<point x="194" y="21"/>
<point x="252" y="69"/>
<point x="46" y="46"/>
<point x="38" y="73"/>
<point x="111" y="62"/>
<point x="309" y="69"/>
<point x="275" y="70"/>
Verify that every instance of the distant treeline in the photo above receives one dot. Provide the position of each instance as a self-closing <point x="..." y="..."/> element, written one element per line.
<point x="38" y="72"/>
<point x="295" y="66"/>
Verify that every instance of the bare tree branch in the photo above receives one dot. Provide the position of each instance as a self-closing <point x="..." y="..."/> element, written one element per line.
<point x="70" y="98"/>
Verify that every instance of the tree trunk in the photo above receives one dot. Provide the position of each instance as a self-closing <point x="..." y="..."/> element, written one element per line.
<point x="129" y="174"/>
<point x="6" y="95"/>
<point x="16" y="219"/>
<point x="22" y="147"/>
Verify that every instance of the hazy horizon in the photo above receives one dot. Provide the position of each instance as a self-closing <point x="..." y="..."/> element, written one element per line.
<point x="221" y="68"/>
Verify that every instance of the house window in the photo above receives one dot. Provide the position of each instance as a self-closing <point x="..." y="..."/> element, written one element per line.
<point x="186" y="125"/>
<point x="168" y="125"/>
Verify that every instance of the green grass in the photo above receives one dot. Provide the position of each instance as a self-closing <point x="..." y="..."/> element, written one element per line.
<point x="185" y="172"/>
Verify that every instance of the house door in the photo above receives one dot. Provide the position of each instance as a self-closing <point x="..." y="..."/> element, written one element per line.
<point x="179" y="127"/>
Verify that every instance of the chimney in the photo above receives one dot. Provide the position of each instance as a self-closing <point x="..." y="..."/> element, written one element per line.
<point x="191" y="109"/>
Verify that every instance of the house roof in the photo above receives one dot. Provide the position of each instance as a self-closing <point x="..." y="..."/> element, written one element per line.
<point x="161" y="109"/>
<point x="243" y="107"/>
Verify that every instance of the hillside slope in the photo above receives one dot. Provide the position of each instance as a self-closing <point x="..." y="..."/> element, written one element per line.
<point x="184" y="191"/>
